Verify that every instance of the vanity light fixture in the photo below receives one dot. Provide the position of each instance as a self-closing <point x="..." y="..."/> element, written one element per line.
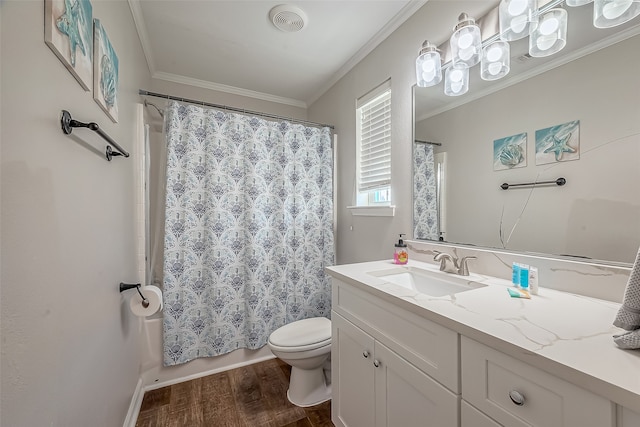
<point x="496" y="60"/>
<point x="609" y="13"/>
<point x="456" y="80"/>
<point x="551" y="35"/>
<point x="543" y="21"/>
<point x="428" y="65"/>
<point x="518" y="18"/>
<point x="466" y="42"/>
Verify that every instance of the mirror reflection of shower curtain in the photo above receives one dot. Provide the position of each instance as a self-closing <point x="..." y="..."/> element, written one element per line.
<point x="425" y="201"/>
<point x="248" y="229"/>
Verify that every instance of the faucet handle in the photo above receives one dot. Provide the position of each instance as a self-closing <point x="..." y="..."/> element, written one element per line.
<point x="443" y="257"/>
<point x="463" y="269"/>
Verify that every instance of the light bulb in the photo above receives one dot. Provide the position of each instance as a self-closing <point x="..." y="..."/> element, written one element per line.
<point x="465" y="41"/>
<point x="456" y="75"/>
<point x="551" y="34"/>
<point x="616" y="8"/>
<point x="609" y="13"/>
<point x="516" y="7"/>
<point x="494" y="54"/>
<point x="549" y="26"/>
<point x="494" y="68"/>
<point x="428" y="66"/>
<point x="519" y="23"/>
<point x="545" y="42"/>
<point x="429" y="75"/>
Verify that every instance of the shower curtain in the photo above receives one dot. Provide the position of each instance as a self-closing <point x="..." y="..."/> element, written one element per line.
<point x="425" y="204"/>
<point x="248" y="229"/>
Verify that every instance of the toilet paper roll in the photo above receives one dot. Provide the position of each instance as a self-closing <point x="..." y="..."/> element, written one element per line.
<point x="153" y="295"/>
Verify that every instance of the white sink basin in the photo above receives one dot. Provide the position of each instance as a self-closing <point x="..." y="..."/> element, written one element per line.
<point x="432" y="283"/>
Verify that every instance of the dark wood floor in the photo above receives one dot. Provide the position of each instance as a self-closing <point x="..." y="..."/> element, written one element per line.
<point x="251" y="396"/>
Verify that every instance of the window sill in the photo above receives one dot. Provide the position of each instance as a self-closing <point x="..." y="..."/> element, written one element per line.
<point x="372" y="210"/>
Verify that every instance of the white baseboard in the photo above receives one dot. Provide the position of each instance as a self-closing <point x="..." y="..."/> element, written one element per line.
<point x="134" y="406"/>
<point x="173" y="381"/>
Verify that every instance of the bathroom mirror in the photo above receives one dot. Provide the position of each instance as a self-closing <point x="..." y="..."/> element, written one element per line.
<point x="596" y="215"/>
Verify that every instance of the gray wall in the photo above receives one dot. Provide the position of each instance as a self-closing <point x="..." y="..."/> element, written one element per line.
<point x="70" y="346"/>
<point x="367" y="238"/>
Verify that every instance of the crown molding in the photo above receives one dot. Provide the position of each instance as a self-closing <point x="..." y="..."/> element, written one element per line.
<point x="405" y="13"/>
<point x="141" y="28"/>
<point x="205" y="84"/>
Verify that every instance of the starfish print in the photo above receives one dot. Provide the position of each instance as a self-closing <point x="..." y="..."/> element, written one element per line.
<point x="68" y="23"/>
<point x="560" y="146"/>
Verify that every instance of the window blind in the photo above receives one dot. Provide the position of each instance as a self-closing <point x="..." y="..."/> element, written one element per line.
<point x="375" y="143"/>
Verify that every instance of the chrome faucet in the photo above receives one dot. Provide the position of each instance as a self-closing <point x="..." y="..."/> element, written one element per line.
<point x="451" y="264"/>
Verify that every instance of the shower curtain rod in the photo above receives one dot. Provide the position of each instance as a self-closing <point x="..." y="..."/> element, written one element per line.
<point x="225" y="107"/>
<point x="428" y="142"/>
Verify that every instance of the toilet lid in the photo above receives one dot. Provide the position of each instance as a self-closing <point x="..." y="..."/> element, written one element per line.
<point x="302" y="333"/>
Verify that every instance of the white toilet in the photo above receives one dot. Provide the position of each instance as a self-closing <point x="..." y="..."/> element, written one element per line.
<point x="305" y="345"/>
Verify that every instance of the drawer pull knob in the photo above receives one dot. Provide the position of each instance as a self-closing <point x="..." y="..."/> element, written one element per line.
<point x="365" y="354"/>
<point x="376" y="363"/>
<point x="516" y="397"/>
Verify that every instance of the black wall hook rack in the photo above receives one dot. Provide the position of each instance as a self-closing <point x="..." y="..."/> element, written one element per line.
<point x="67" y="127"/>
<point x="559" y="182"/>
<point x="127" y="286"/>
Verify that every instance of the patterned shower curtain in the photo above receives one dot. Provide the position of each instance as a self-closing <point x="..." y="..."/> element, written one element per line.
<point x="425" y="204"/>
<point x="248" y="229"/>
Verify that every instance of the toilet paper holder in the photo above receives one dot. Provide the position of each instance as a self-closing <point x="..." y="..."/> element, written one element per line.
<point x="127" y="286"/>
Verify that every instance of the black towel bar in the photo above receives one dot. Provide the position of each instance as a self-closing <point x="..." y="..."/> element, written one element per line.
<point x="68" y="124"/>
<point x="559" y="182"/>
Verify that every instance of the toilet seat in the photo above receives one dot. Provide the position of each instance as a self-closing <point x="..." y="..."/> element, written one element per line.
<point x="302" y="335"/>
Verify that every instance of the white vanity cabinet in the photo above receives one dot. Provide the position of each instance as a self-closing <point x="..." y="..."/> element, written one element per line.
<point x="376" y="381"/>
<point x="471" y="417"/>
<point x="628" y="418"/>
<point x="477" y="359"/>
<point x="516" y="394"/>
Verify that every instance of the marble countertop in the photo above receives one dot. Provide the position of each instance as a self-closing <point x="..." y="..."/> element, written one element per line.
<point x="565" y="334"/>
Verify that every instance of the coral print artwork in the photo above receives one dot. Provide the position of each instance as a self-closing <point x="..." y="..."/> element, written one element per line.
<point x="105" y="73"/>
<point x="68" y="31"/>
<point x="560" y="143"/>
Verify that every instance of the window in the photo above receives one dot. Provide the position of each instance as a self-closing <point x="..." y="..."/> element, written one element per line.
<point x="373" y="133"/>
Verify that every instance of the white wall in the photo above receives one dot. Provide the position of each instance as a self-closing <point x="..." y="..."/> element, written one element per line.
<point x="368" y="238"/>
<point x="70" y="346"/>
<point x="596" y="213"/>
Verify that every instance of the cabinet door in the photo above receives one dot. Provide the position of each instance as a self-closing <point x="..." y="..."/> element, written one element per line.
<point x="628" y="418"/>
<point x="352" y="375"/>
<point x="406" y="396"/>
<point x="471" y="417"/>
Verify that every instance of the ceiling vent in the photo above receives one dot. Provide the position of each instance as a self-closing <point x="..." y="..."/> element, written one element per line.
<point x="288" y="18"/>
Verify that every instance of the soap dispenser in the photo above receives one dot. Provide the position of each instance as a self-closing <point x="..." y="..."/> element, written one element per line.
<point x="401" y="256"/>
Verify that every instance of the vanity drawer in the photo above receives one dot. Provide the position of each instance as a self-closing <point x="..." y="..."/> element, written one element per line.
<point x="430" y="347"/>
<point x="491" y="381"/>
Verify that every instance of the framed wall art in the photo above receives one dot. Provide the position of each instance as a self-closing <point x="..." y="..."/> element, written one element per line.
<point x="105" y="73"/>
<point x="560" y="143"/>
<point x="510" y="152"/>
<point x="68" y="31"/>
